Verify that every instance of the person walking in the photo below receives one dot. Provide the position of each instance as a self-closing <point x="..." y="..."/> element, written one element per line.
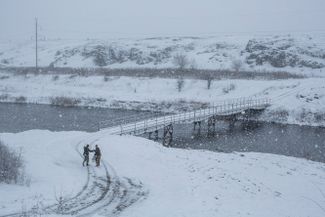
<point x="86" y="155"/>
<point x="98" y="155"/>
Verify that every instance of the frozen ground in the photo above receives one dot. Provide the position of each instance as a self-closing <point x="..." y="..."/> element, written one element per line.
<point x="299" y="101"/>
<point x="139" y="177"/>
<point x="298" y="53"/>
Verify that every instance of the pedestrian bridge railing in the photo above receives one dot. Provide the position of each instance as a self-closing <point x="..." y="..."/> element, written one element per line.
<point x="226" y="108"/>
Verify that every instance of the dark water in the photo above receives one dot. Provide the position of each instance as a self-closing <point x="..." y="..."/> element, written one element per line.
<point x="292" y="140"/>
<point x="22" y="117"/>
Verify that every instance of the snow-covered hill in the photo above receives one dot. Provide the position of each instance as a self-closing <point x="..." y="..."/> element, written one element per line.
<point x="296" y="53"/>
<point x="139" y="177"/>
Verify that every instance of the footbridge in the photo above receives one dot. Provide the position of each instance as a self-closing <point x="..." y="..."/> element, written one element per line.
<point x="228" y="110"/>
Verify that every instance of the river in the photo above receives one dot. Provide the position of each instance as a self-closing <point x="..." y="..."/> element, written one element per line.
<point x="291" y="140"/>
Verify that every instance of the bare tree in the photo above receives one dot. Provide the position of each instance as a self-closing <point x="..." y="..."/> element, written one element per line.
<point x="180" y="61"/>
<point x="209" y="78"/>
<point x="236" y="65"/>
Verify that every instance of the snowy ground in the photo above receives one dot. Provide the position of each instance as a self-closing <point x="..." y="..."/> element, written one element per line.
<point x="298" y="101"/>
<point x="145" y="179"/>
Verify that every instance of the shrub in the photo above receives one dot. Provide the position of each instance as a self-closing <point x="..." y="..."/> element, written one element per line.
<point x="73" y="76"/>
<point x="306" y="115"/>
<point x="4" y="77"/>
<point x="187" y="72"/>
<point x="55" y="77"/>
<point x="180" y="84"/>
<point x="193" y="64"/>
<point x="20" y="99"/>
<point x="5" y="61"/>
<point x="4" y="97"/>
<point x="228" y="88"/>
<point x="64" y="101"/>
<point x="11" y="166"/>
<point x="280" y="115"/>
<point x="319" y="117"/>
<point x="180" y="61"/>
<point x="236" y="65"/>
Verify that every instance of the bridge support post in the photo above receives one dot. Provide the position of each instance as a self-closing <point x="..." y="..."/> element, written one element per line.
<point x="232" y="121"/>
<point x="231" y="124"/>
<point x="149" y="136"/>
<point x="156" y="135"/>
<point x="168" y="135"/>
<point x="197" y="132"/>
<point x="211" y="126"/>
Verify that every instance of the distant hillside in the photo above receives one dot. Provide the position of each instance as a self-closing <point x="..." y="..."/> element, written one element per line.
<point x="271" y="52"/>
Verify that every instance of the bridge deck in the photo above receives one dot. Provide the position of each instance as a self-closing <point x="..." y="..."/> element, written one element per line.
<point x="229" y="108"/>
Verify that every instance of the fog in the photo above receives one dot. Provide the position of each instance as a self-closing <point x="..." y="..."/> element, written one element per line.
<point x="146" y="18"/>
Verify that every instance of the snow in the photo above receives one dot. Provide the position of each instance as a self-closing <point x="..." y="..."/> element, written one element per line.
<point x="50" y="170"/>
<point x="302" y="99"/>
<point x="178" y="182"/>
<point x="213" y="52"/>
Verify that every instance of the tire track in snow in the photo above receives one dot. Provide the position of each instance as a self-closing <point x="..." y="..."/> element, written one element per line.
<point x="109" y="194"/>
<point x="104" y="192"/>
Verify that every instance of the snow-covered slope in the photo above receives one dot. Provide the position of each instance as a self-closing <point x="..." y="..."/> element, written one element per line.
<point x="300" y="101"/>
<point x="300" y="52"/>
<point x="150" y="180"/>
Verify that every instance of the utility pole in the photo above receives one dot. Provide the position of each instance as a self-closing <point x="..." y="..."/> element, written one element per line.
<point x="36" y="45"/>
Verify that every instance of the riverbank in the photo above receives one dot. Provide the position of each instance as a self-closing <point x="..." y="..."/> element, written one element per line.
<point x="191" y="182"/>
<point x="294" y="101"/>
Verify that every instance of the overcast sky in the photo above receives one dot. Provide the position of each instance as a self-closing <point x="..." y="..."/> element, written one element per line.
<point x="143" y="18"/>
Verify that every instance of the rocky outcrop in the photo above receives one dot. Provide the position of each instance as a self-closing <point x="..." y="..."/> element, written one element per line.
<point x="104" y="55"/>
<point x="283" y="53"/>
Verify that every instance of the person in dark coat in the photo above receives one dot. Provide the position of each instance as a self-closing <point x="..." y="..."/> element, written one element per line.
<point x="86" y="155"/>
<point x="98" y="155"/>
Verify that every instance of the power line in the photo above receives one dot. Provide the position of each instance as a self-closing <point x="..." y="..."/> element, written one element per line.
<point x="36" y="50"/>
